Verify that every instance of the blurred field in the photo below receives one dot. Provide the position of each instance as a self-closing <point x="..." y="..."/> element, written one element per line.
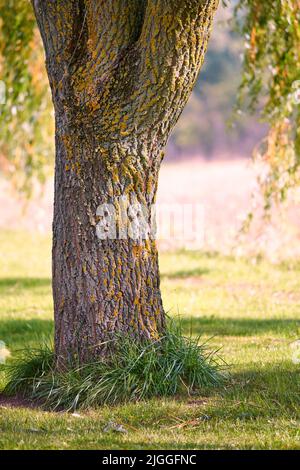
<point x="249" y="308"/>
<point x="222" y="188"/>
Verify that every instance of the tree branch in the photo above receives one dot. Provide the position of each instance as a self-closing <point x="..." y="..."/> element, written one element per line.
<point x="149" y="87"/>
<point x="84" y="40"/>
<point x="174" y="41"/>
<point x="57" y="20"/>
<point x="113" y="26"/>
<point x="93" y="32"/>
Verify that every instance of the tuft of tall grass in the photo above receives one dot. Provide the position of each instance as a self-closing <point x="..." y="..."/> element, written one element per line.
<point x="133" y="371"/>
<point x="28" y="366"/>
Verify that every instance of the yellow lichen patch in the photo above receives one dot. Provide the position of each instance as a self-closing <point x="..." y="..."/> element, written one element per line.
<point x="119" y="269"/>
<point x="148" y="246"/>
<point x="137" y="251"/>
<point x="62" y="303"/>
<point x="77" y="168"/>
<point x="67" y="141"/>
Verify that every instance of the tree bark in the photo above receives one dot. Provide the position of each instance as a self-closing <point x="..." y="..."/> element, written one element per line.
<point x="121" y="72"/>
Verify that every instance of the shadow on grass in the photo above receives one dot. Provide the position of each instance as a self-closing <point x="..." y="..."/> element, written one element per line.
<point x="185" y="273"/>
<point x="17" y="331"/>
<point x="269" y="392"/>
<point x="23" y="283"/>
<point x="237" y="326"/>
<point x="10" y="328"/>
<point x="256" y="402"/>
<point x="280" y="379"/>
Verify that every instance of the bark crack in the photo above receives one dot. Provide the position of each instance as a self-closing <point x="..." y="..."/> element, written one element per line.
<point x="80" y="38"/>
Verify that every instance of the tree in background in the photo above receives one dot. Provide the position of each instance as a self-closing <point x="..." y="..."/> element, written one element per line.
<point x="121" y="73"/>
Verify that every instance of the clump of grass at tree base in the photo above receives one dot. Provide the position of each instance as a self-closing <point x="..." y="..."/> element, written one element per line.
<point x="134" y="371"/>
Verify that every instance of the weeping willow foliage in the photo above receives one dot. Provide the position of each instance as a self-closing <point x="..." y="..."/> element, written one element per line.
<point x="270" y="84"/>
<point x="26" y="120"/>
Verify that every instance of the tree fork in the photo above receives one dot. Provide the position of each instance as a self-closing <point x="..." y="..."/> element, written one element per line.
<point x="121" y="73"/>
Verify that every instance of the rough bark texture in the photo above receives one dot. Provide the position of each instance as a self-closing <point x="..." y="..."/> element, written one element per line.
<point x="121" y="72"/>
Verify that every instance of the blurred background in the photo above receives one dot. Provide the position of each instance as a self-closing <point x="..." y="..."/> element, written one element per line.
<point x="208" y="162"/>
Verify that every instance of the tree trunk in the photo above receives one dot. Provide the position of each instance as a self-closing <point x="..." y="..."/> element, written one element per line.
<point x="103" y="282"/>
<point x="120" y="72"/>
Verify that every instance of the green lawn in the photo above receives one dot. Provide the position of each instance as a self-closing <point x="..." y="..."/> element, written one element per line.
<point x="249" y="309"/>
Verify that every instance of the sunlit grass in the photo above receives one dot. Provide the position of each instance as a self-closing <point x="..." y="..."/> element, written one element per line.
<point x="250" y="309"/>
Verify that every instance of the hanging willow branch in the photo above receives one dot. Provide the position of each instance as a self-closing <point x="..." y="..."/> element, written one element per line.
<point x="25" y="115"/>
<point x="271" y="85"/>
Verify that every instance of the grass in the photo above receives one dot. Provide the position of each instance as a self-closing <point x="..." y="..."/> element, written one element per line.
<point x="250" y="307"/>
<point x="133" y="371"/>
